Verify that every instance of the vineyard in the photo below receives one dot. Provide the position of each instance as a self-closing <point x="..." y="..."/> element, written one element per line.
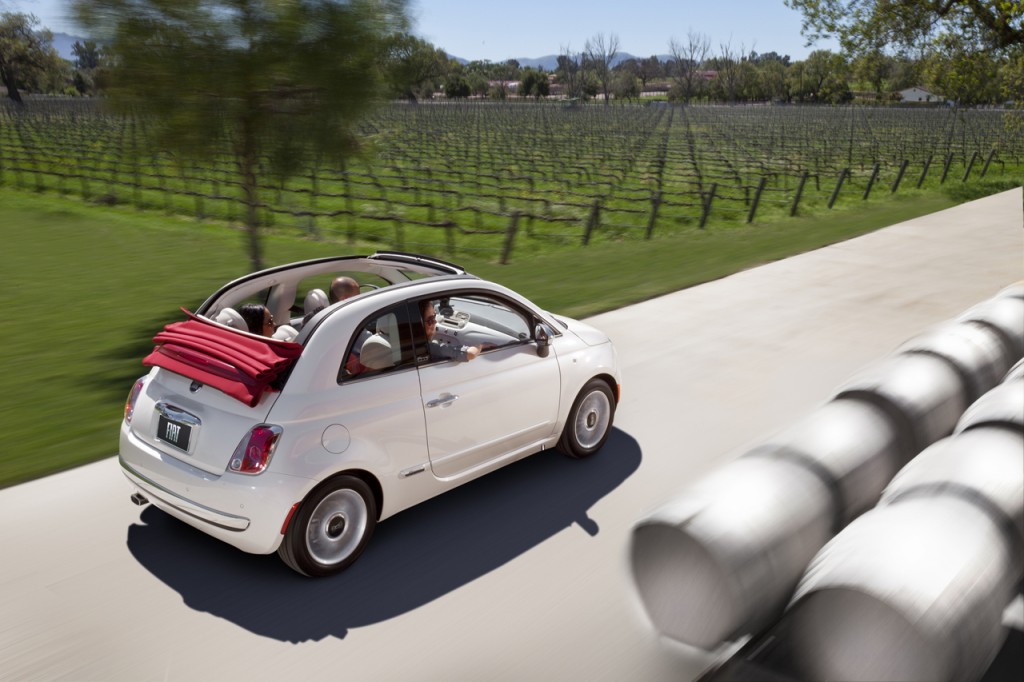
<point x="506" y="180"/>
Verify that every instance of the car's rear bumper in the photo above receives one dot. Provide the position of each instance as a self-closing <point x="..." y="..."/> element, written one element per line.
<point x="247" y="512"/>
<point x="163" y="498"/>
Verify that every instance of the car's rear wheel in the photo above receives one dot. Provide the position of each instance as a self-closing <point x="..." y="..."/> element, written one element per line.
<point x="590" y="420"/>
<point x="331" y="528"/>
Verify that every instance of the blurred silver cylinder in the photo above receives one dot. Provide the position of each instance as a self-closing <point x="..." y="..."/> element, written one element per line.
<point x="984" y="466"/>
<point x="1015" y="290"/>
<point x="723" y="559"/>
<point x="1016" y="372"/>
<point x="976" y="352"/>
<point x="851" y="444"/>
<point x="921" y="393"/>
<point x="1004" y="315"/>
<point x="909" y="591"/>
<point x="1002" y="406"/>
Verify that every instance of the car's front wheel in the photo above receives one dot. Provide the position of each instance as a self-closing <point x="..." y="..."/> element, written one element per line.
<point x="590" y="420"/>
<point x="331" y="528"/>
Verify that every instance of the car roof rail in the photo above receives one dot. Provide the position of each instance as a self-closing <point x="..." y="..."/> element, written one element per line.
<point x="415" y="258"/>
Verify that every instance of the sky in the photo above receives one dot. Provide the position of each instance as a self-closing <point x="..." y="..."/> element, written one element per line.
<point x="499" y="30"/>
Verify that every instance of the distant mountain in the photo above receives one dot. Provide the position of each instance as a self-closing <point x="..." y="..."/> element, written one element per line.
<point x="550" y="62"/>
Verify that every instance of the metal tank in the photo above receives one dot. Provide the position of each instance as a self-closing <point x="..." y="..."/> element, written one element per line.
<point x="984" y="466"/>
<point x="852" y="445"/>
<point x="913" y="590"/>
<point x="1016" y="372"/>
<point x="921" y="393"/>
<point x="722" y="559"/>
<point x="1004" y="315"/>
<point x="1003" y="405"/>
<point x="1015" y="290"/>
<point x="976" y="352"/>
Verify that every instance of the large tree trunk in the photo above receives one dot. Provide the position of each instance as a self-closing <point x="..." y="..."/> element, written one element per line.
<point x="12" y="87"/>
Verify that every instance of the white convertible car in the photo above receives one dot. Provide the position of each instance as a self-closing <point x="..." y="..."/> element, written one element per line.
<point x="427" y="378"/>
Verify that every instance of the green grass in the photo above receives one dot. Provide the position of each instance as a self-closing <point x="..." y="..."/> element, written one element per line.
<point x="85" y="289"/>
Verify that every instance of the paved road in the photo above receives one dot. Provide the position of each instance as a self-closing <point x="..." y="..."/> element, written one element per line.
<point x="520" y="576"/>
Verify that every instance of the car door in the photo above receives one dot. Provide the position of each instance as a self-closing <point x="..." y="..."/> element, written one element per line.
<point x="501" y="403"/>
<point x="365" y="408"/>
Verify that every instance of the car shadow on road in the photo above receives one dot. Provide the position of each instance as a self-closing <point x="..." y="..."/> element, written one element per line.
<point x="414" y="557"/>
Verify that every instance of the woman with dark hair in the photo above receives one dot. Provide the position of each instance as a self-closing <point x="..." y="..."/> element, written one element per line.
<point x="258" y="319"/>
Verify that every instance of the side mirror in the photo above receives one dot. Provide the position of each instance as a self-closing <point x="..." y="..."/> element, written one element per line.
<point x="543" y="340"/>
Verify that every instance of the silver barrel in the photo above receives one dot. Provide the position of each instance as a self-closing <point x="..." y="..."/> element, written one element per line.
<point x="984" y="466"/>
<point x="851" y="444"/>
<point x="976" y="352"/>
<point x="1004" y="315"/>
<point x="1016" y="372"/>
<point x="1015" y="290"/>
<point x="722" y="560"/>
<point x="922" y="393"/>
<point x="1002" y="406"/>
<point x="909" y="591"/>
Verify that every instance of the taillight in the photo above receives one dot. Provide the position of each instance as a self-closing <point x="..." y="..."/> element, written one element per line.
<point x="255" y="450"/>
<point x="129" y="405"/>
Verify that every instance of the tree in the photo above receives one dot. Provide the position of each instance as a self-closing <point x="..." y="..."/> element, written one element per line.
<point x="1011" y="78"/>
<point x="687" y="61"/>
<point x="905" y="73"/>
<point x="869" y="24"/>
<point x="961" y="74"/>
<point x="27" y="61"/>
<point x="478" y="84"/>
<point x="570" y="73"/>
<point x="413" y="67"/>
<point x="625" y="85"/>
<point x="772" y="78"/>
<point x="456" y="87"/>
<point x="87" y="54"/>
<point x="276" y="85"/>
<point x="730" y="76"/>
<point x="825" y="77"/>
<point x="90" y="63"/>
<point x="873" y="68"/>
<point x="599" y="52"/>
<point x="534" y="83"/>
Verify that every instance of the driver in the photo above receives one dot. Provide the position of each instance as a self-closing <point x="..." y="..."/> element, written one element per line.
<point x="442" y="350"/>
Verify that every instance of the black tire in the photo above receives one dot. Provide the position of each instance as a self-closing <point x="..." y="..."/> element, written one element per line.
<point x="331" y="528"/>
<point x="590" y="420"/>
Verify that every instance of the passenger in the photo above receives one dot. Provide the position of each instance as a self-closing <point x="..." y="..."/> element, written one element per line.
<point x="343" y="287"/>
<point x="442" y="350"/>
<point x="258" y="319"/>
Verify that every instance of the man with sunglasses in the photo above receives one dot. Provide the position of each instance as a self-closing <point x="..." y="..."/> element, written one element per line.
<point x="442" y="350"/>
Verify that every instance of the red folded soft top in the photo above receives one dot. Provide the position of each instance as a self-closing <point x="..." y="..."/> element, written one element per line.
<point x="241" y="365"/>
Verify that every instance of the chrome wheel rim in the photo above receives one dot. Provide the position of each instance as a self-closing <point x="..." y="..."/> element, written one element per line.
<point x="592" y="419"/>
<point x="336" y="526"/>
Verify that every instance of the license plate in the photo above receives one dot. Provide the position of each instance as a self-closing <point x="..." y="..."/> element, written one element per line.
<point x="174" y="432"/>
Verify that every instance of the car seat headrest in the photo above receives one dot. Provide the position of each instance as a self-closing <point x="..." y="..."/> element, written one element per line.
<point x="315" y="300"/>
<point x="230" y="317"/>
<point x="286" y="332"/>
<point x="376" y="353"/>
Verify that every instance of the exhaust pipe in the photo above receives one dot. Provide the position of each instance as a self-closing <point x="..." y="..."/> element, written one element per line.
<point x="139" y="499"/>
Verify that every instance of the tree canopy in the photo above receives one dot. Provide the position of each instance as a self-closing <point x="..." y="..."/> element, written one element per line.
<point x="27" y="60"/>
<point x="869" y="24"/>
<point x="275" y="84"/>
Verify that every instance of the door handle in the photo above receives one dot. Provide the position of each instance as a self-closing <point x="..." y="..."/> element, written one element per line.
<point x="445" y="399"/>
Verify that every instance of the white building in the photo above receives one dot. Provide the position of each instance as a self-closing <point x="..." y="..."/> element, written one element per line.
<point x="919" y="94"/>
